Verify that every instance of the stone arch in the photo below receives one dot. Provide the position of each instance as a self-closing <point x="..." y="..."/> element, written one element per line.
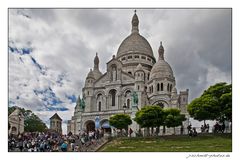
<point x="14" y="129"/>
<point x="100" y="102"/>
<point x="161" y="103"/>
<point x="126" y="90"/>
<point x="99" y="92"/>
<point x="89" y="125"/>
<point x="127" y="97"/>
<point x="104" y="123"/>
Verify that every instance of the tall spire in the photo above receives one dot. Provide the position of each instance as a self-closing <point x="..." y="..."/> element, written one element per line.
<point x="96" y="62"/>
<point x="135" y="23"/>
<point x="161" y="52"/>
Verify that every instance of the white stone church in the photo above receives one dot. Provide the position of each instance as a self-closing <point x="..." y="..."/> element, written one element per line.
<point x="133" y="68"/>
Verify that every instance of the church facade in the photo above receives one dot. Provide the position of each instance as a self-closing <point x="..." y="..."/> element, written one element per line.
<point x="133" y="69"/>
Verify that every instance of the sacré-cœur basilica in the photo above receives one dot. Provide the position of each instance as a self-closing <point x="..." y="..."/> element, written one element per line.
<point x="133" y="70"/>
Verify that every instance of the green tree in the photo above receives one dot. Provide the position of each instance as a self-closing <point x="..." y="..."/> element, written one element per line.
<point x="173" y="118"/>
<point x="226" y="102"/>
<point x="150" y="116"/>
<point x="214" y="104"/>
<point x="32" y="123"/>
<point x="203" y="108"/>
<point x="120" y="121"/>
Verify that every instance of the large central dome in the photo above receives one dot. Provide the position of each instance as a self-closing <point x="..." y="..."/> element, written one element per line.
<point x="135" y="43"/>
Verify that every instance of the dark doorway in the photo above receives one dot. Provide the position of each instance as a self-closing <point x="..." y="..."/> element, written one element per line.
<point x="90" y="126"/>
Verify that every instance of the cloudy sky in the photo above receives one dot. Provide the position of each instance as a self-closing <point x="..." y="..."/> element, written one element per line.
<point x="52" y="50"/>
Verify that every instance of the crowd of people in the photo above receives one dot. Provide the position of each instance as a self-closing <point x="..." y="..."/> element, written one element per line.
<point x="192" y="132"/>
<point x="84" y="141"/>
<point x="205" y="128"/>
<point x="54" y="142"/>
<point x="219" y="128"/>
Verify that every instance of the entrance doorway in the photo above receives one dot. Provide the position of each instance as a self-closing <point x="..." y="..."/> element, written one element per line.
<point x="90" y="125"/>
<point x="105" y="125"/>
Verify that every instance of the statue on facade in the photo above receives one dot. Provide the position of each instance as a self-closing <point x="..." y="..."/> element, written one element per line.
<point x="78" y="103"/>
<point x="135" y="98"/>
<point x="82" y="104"/>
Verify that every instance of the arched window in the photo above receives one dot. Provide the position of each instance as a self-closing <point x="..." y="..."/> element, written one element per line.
<point x="161" y="86"/>
<point x="127" y="93"/>
<point x="128" y="103"/>
<point x="99" y="106"/>
<point x="138" y="87"/>
<point x="168" y="87"/>
<point x="113" y="96"/>
<point x="158" y="87"/>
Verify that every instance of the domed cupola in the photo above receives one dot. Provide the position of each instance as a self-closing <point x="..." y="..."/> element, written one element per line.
<point x="90" y="79"/>
<point x="161" y="69"/>
<point x="90" y="75"/>
<point x="135" y="48"/>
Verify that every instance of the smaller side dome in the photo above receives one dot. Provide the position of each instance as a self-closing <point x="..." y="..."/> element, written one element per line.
<point x="161" y="69"/>
<point x="90" y="74"/>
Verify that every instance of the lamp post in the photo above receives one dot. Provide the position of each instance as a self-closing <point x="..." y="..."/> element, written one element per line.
<point x="124" y="107"/>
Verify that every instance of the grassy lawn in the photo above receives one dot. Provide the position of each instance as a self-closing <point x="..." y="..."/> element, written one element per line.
<point x="201" y="143"/>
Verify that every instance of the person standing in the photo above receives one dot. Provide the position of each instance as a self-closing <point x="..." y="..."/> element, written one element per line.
<point x="130" y="132"/>
<point x="64" y="146"/>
